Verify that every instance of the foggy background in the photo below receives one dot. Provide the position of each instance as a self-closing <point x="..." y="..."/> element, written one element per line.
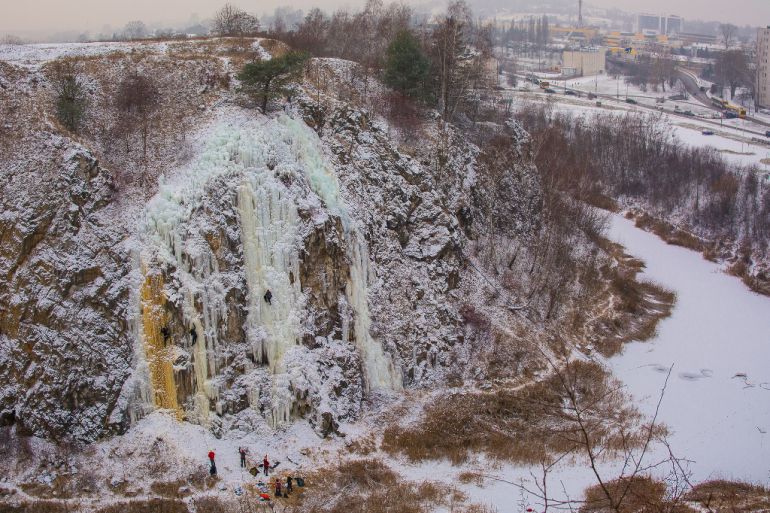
<point x="44" y="19"/>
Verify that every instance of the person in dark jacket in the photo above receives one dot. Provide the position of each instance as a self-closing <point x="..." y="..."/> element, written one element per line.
<point x="289" y="487"/>
<point x="242" y="451"/>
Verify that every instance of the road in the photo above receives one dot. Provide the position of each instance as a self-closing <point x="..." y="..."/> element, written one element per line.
<point x="751" y="136"/>
<point x="691" y="84"/>
<point x="660" y="108"/>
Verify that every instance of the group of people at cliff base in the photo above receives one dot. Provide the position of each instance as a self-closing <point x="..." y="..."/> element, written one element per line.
<point x="280" y="489"/>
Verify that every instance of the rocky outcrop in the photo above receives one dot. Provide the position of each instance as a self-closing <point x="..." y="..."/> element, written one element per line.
<point x="279" y="273"/>
<point x="63" y="314"/>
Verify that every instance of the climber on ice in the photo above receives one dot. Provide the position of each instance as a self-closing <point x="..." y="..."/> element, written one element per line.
<point x="193" y="335"/>
<point x="268" y="297"/>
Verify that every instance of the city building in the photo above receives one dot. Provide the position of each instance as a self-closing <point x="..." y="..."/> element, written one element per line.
<point x="702" y="39"/>
<point x="574" y="34"/>
<point x="763" y="67"/>
<point x="652" y="24"/>
<point x="585" y="62"/>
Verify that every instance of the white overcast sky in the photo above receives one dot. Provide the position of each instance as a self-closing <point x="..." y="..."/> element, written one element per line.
<point x="35" y="16"/>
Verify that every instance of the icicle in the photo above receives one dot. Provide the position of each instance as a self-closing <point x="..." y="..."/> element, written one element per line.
<point x="159" y="361"/>
<point x="379" y="368"/>
<point x="268" y="219"/>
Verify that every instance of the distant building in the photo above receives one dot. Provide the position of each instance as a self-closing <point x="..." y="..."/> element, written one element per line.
<point x="674" y="25"/>
<point x="647" y="23"/>
<point x="585" y="62"/>
<point x="763" y="67"/>
<point x="575" y="34"/>
<point x="701" y="39"/>
<point x="652" y="24"/>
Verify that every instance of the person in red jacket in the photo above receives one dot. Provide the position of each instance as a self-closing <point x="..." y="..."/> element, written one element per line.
<point x="266" y="465"/>
<point x="213" y="467"/>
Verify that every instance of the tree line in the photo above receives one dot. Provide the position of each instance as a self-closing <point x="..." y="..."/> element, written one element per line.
<point x="635" y="159"/>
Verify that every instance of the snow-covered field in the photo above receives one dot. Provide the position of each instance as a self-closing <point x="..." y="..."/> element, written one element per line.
<point x="717" y="403"/>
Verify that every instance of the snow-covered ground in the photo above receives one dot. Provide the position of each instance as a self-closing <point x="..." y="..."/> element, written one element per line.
<point x="717" y="403"/>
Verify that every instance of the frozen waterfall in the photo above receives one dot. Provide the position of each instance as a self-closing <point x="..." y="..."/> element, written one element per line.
<point x="254" y="158"/>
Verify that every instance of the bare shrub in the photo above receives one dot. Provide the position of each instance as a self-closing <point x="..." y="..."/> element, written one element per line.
<point x="521" y="426"/>
<point x="367" y="485"/>
<point x="730" y="496"/>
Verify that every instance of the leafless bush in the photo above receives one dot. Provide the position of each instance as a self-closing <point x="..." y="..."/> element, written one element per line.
<point x="368" y="485"/>
<point x="522" y="426"/>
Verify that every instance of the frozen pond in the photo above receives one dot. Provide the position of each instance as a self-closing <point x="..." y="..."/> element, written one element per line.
<point x="717" y="403"/>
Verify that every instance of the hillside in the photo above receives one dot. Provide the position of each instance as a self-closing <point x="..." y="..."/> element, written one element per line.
<point x="211" y="276"/>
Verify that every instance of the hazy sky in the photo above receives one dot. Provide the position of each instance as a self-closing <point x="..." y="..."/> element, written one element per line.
<point x="35" y="16"/>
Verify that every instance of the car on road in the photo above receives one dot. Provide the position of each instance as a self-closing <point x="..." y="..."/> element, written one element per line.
<point x="707" y="132"/>
<point x="730" y="115"/>
<point x="598" y="103"/>
<point x="688" y="112"/>
<point x="591" y="96"/>
<point x="549" y="90"/>
<point x="632" y="101"/>
<point x="570" y="93"/>
<point x="767" y="133"/>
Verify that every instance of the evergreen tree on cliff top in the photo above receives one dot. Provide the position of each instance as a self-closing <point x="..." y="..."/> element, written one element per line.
<point x="268" y="79"/>
<point x="406" y="67"/>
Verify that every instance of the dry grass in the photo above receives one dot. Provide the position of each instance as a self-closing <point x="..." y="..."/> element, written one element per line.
<point x="636" y="495"/>
<point x="363" y="446"/>
<point x="730" y="497"/>
<point x="147" y="506"/>
<point x="525" y="426"/>
<point x="368" y="486"/>
<point x="625" y="309"/>
<point x="171" y="489"/>
<point x="471" y="477"/>
<point x="42" y="506"/>
<point x="666" y="231"/>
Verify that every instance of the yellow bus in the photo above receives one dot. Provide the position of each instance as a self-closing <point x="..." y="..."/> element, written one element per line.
<point x="739" y="111"/>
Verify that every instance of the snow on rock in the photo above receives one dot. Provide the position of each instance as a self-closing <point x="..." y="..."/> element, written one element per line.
<point x="283" y="269"/>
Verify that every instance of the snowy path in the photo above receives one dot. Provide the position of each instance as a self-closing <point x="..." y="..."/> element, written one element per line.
<point x="719" y="329"/>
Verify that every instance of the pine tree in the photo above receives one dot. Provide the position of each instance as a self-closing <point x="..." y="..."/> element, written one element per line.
<point x="406" y="67"/>
<point x="265" y="80"/>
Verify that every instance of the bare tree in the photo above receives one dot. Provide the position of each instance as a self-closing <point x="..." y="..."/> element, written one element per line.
<point x="728" y="32"/>
<point x="732" y="68"/>
<point x="233" y="21"/>
<point x="135" y="30"/>
<point x="137" y="99"/>
<point x="451" y="40"/>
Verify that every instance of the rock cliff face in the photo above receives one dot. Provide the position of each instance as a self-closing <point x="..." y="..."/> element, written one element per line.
<point x="66" y="349"/>
<point x="288" y="269"/>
